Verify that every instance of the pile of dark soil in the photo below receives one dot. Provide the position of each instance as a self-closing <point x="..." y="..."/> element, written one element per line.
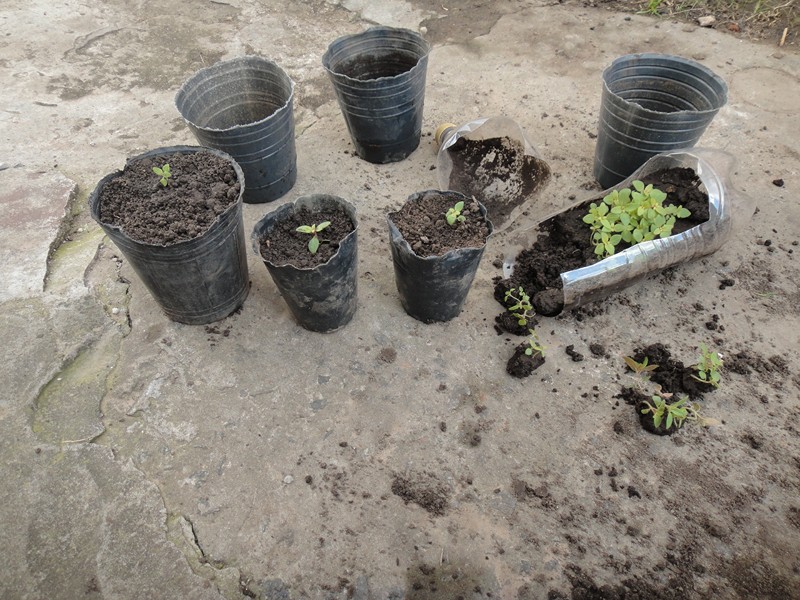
<point x="201" y="187"/>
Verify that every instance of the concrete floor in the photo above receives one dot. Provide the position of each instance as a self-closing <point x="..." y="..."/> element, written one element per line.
<point x="147" y="459"/>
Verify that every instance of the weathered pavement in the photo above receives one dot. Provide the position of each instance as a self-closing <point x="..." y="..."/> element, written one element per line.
<point x="147" y="459"/>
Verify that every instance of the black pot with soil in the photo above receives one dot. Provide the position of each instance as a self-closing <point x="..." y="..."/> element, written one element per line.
<point x="318" y="279"/>
<point x="435" y="262"/>
<point x="181" y="229"/>
<point x="556" y="262"/>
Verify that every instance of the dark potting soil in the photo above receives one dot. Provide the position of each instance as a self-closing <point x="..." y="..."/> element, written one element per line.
<point x="422" y="223"/>
<point x="201" y="187"/>
<point x="287" y="246"/>
<point x="521" y="365"/>
<point x="564" y="243"/>
<point x="497" y="172"/>
<point x="674" y="378"/>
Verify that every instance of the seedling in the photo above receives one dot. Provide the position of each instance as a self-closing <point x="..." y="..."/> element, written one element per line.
<point x="534" y="345"/>
<point x="454" y="215"/>
<point x="631" y="216"/>
<point x="164" y="172"/>
<point x="313" y="230"/>
<point x="641" y="369"/>
<point x="708" y="367"/>
<point x="522" y="308"/>
<point x="669" y="414"/>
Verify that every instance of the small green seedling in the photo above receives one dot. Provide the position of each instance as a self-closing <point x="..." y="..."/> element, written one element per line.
<point x="454" y="215"/>
<point x="522" y="308"/>
<point x="669" y="414"/>
<point x="631" y="216"/>
<point x="313" y="230"/>
<point x="641" y="369"/>
<point x="708" y="367"/>
<point x="164" y="172"/>
<point x="534" y="345"/>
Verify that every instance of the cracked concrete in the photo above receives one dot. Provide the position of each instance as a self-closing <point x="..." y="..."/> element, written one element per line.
<point x="149" y="459"/>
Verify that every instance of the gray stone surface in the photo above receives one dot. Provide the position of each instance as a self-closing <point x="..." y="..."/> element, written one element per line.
<point x="148" y="459"/>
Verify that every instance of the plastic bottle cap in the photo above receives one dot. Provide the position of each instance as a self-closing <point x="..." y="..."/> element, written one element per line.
<point x="441" y="130"/>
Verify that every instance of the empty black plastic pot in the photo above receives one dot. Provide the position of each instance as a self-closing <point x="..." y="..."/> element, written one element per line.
<point x="244" y="108"/>
<point x="197" y="281"/>
<point x="434" y="288"/>
<point x="651" y="104"/>
<point x="323" y="298"/>
<point x="379" y="80"/>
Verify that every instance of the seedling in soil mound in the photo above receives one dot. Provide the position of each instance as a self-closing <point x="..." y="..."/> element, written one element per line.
<point x="642" y="369"/>
<point x="670" y="414"/>
<point x="631" y="216"/>
<point x="521" y="307"/>
<point x="708" y="367"/>
<point x="164" y="172"/>
<point x="527" y="357"/>
<point x="534" y="345"/>
<point x="454" y="215"/>
<point x="313" y="243"/>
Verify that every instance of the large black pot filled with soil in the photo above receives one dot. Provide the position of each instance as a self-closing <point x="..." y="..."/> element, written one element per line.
<point x="310" y="249"/>
<point x="181" y="229"/>
<point x="435" y="261"/>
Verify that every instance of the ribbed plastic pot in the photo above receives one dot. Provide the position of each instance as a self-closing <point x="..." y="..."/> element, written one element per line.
<point x="323" y="298"/>
<point x="197" y="281"/>
<point x="244" y="107"/>
<point x="652" y="104"/>
<point x="434" y="288"/>
<point x="379" y="80"/>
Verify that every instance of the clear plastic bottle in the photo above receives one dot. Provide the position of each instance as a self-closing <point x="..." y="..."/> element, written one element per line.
<point x="492" y="160"/>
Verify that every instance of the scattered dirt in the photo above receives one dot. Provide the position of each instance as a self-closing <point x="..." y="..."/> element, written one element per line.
<point x="201" y="187"/>
<point x="564" y="243"/>
<point x="287" y="246"/>
<point x="423" y="489"/>
<point x="497" y="172"/>
<point x="422" y="223"/>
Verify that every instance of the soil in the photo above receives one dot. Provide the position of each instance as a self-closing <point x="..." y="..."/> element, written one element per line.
<point x="497" y="172"/>
<point x="201" y="188"/>
<point x="287" y="246"/>
<point x="422" y="224"/>
<point x="563" y="243"/>
<point x="521" y="365"/>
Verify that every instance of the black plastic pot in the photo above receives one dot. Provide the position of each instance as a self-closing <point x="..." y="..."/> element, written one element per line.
<point x="322" y="299"/>
<point x="651" y="104"/>
<point x="244" y="107"/>
<point x="434" y="288"/>
<point x="379" y="80"/>
<point x="197" y="281"/>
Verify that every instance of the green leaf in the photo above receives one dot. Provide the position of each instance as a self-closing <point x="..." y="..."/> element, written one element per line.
<point x="602" y="210"/>
<point x="304" y="229"/>
<point x="599" y="249"/>
<point x="669" y="420"/>
<point x="615" y="239"/>
<point x="459" y="206"/>
<point x="609" y="248"/>
<point x="625" y="219"/>
<point x="638" y="235"/>
<point x="658" y="195"/>
<point x="313" y="245"/>
<point x="638" y="185"/>
<point x="657" y="416"/>
<point x="627" y="237"/>
<point x="323" y="225"/>
<point x="683" y="213"/>
<point x="529" y="351"/>
<point x="588" y="219"/>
